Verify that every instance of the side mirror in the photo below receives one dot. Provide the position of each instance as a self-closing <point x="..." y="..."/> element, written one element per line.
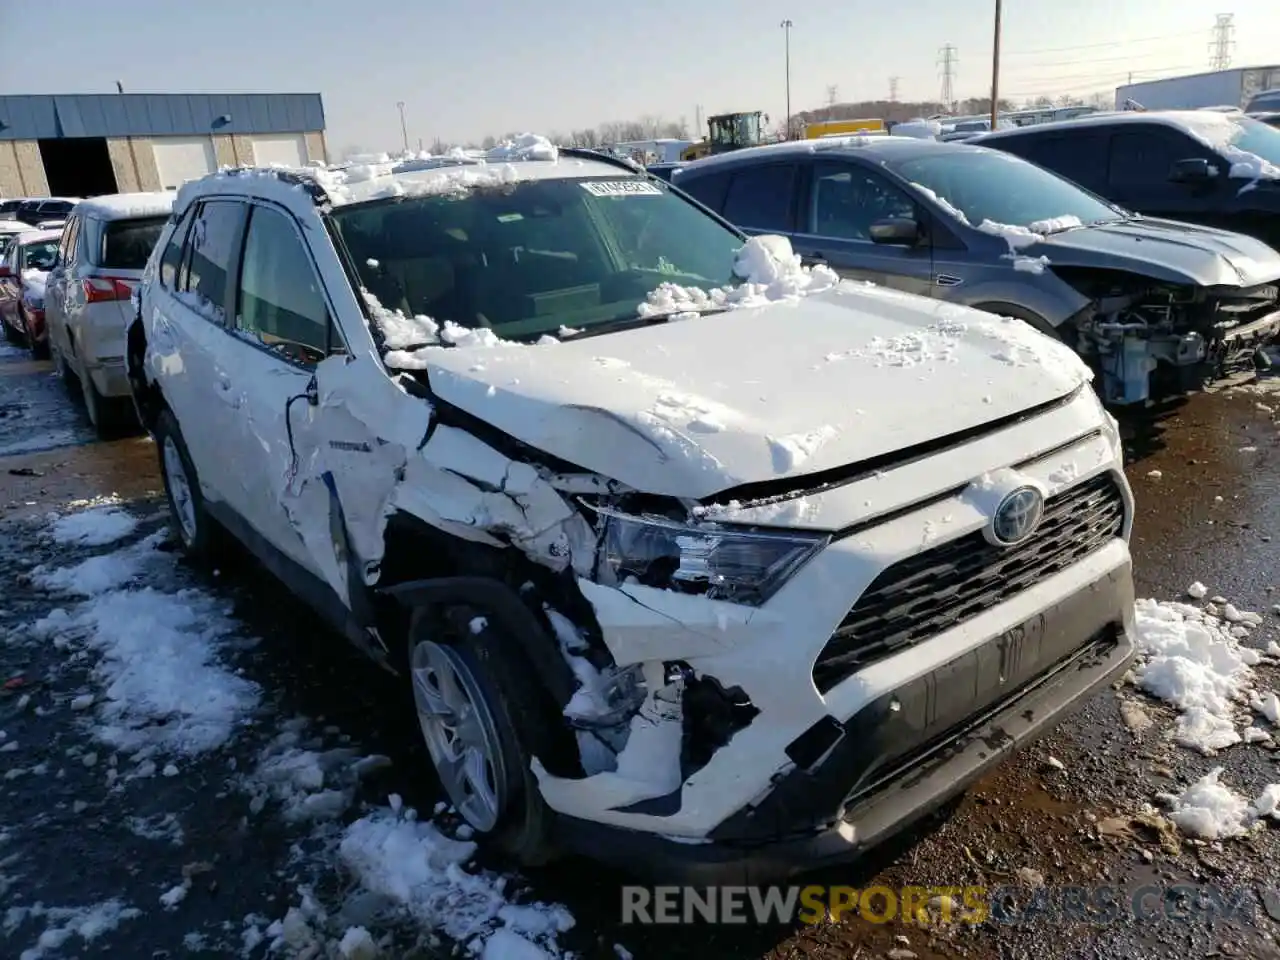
<point x="1195" y="170"/>
<point x="896" y="231"/>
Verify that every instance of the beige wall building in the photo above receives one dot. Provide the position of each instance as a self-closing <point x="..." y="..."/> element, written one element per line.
<point x="90" y="144"/>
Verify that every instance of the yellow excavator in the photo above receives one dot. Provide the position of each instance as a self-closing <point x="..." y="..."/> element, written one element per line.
<point x="726" y="131"/>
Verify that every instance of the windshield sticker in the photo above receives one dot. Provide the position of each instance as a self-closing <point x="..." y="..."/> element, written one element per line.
<point x="621" y="188"/>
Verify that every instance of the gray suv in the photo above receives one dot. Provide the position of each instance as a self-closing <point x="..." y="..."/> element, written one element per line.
<point x="1136" y="297"/>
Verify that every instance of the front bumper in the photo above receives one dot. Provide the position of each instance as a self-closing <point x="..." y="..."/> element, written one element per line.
<point x="962" y="718"/>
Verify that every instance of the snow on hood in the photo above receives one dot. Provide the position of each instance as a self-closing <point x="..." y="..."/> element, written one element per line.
<point x="771" y="269"/>
<point x="788" y="388"/>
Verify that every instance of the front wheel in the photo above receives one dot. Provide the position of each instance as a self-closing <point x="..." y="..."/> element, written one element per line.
<point x="478" y="713"/>
<point x="195" y="529"/>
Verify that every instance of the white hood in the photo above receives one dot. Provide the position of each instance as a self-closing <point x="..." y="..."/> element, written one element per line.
<point x="693" y="407"/>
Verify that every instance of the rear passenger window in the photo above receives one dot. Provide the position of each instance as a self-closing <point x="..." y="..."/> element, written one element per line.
<point x="171" y="260"/>
<point x="281" y="304"/>
<point x="760" y="198"/>
<point x="212" y="246"/>
<point x="1143" y="159"/>
<point x="1080" y="157"/>
<point x="708" y="190"/>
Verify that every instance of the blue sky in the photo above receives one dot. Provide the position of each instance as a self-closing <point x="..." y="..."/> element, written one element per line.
<point x="469" y="67"/>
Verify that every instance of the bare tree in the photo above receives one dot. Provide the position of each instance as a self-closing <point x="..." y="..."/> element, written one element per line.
<point x="488" y="143"/>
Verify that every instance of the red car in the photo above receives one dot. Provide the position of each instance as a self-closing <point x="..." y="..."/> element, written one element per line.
<point x="23" y="273"/>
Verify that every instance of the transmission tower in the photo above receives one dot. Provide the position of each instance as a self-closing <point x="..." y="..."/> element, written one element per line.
<point x="1220" y="47"/>
<point x="893" y="89"/>
<point x="833" y="94"/>
<point x="947" y="60"/>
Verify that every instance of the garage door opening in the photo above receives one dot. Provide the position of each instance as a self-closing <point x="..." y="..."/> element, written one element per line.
<point x="78" y="167"/>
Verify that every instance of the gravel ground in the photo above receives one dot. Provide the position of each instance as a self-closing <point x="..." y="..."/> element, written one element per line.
<point x="244" y="800"/>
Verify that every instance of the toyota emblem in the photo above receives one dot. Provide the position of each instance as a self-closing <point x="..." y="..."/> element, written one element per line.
<point x="1017" y="516"/>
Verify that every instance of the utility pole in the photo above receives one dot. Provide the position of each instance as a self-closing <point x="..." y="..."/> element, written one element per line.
<point x="893" y="89"/>
<point x="786" y="28"/>
<point x="995" y="72"/>
<point x="1220" y="47"/>
<point x="947" y="60"/>
<point x="404" y="129"/>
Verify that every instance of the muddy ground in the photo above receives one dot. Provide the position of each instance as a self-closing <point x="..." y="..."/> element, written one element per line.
<point x="1205" y="478"/>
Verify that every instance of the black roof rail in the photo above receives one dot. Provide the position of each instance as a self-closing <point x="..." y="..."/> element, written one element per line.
<point x="295" y="178"/>
<point x="586" y="153"/>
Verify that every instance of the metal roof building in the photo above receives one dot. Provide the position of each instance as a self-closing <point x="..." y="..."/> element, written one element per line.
<point x="81" y="145"/>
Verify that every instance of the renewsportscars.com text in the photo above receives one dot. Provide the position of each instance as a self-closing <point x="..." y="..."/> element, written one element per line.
<point x="937" y="905"/>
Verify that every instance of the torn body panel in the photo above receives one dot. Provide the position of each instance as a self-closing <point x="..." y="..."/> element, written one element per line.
<point x="1135" y="326"/>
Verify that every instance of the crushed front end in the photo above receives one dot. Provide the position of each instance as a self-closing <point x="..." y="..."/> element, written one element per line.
<point x="896" y="657"/>
<point x="1140" y="333"/>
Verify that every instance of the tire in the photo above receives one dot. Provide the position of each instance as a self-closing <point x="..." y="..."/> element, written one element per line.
<point x="39" y="351"/>
<point x="494" y="674"/>
<point x="196" y="531"/>
<point x="110" y="417"/>
<point x="14" y="335"/>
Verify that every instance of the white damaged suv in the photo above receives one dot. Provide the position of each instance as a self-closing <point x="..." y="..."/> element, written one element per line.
<point x="693" y="558"/>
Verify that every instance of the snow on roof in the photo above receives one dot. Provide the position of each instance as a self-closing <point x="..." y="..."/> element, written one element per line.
<point x="528" y="157"/>
<point x="127" y="206"/>
<point x="440" y="176"/>
<point x="1167" y="118"/>
<point x="38" y="236"/>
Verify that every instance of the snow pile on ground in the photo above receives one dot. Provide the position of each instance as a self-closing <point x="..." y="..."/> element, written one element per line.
<point x="64" y="923"/>
<point x="96" y="526"/>
<point x="1211" y="810"/>
<point x="164" y="688"/>
<point x="1192" y="658"/>
<point x="771" y="271"/>
<point x="394" y="854"/>
<point x="99" y="574"/>
<point x="309" y="783"/>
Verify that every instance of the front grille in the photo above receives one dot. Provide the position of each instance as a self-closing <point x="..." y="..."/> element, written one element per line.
<point x="943" y="587"/>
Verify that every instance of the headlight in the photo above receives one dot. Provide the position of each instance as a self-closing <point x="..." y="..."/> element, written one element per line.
<point x="738" y="566"/>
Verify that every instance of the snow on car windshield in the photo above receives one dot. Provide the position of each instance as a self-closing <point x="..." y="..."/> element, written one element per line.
<point x="526" y="259"/>
<point x="986" y="185"/>
<point x="1252" y="147"/>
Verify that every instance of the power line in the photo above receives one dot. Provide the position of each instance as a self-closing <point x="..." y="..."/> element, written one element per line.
<point x="947" y="59"/>
<point x="1128" y="58"/>
<point x="1221" y="44"/>
<point x="1118" y="75"/>
<point x="1095" y="46"/>
<point x="1096" y="81"/>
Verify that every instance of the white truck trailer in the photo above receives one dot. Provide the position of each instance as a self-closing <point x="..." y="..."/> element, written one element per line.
<point x="1218" y="88"/>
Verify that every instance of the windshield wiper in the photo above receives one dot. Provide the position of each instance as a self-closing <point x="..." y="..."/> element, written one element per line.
<point x="631" y="323"/>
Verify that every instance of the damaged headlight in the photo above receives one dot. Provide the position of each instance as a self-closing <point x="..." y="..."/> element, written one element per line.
<point x="738" y="566"/>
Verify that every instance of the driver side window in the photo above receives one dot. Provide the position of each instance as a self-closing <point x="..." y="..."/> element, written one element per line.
<point x="847" y="199"/>
<point x="280" y="303"/>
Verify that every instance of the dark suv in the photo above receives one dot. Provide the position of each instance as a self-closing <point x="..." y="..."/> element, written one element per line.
<point x="1201" y="166"/>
